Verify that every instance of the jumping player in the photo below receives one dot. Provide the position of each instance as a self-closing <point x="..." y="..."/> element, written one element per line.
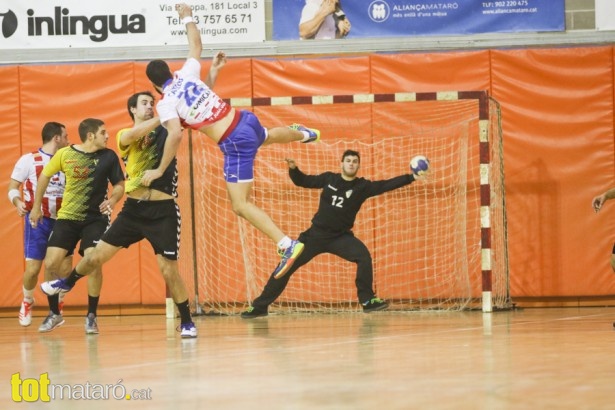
<point x="189" y="102"/>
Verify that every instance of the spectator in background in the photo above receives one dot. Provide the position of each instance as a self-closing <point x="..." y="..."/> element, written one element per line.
<point x="323" y="19"/>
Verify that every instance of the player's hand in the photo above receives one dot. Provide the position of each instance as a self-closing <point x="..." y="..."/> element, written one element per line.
<point x="183" y="10"/>
<point x="21" y="208"/>
<point x="35" y="216"/>
<point x="597" y="202"/>
<point x="149" y="176"/>
<point x="291" y="163"/>
<point x="218" y="61"/>
<point x="106" y="207"/>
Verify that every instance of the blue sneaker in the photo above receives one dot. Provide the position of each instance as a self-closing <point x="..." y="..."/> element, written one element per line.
<point x="289" y="255"/>
<point x="188" y="330"/>
<point x="53" y="287"/>
<point x="313" y="134"/>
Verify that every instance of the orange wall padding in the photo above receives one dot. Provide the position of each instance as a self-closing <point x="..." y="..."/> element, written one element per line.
<point x="557" y="110"/>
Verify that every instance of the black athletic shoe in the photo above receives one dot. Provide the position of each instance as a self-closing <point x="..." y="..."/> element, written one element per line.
<point x="374" y="304"/>
<point x="252" y="312"/>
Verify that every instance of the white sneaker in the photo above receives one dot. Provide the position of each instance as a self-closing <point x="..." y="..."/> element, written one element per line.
<point x="188" y="330"/>
<point x="91" y="325"/>
<point x="25" y="313"/>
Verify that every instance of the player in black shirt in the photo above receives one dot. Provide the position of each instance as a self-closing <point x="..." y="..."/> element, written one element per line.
<point x="331" y="231"/>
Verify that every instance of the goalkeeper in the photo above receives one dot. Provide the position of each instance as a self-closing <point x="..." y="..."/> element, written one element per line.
<point x="331" y="231"/>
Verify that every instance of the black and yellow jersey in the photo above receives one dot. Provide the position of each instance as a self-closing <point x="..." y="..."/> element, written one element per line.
<point x="88" y="175"/>
<point x="143" y="154"/>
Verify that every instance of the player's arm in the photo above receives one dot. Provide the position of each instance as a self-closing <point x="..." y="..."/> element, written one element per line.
<point x="309" y="28"/>
<point x="116" y="178"/>
<point x="380" y="187"/>
<point x="217" y="63"/>
<point x="195" y="47"/>
<point x="598" y="201"/>
<point x="106" y="207"/>
<point x="41" y="186"/>
<point x="303" y="180"/>
<point x="53" y="166"/>
<point x="130" y="135"/>
<point x="15" y="197"/>
<point x="174" y="129"/>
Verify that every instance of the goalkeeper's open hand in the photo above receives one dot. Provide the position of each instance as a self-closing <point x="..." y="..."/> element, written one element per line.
<point x="291" y="163"/>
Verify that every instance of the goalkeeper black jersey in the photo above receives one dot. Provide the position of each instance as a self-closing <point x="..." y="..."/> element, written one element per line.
<point x="341" y="200"/>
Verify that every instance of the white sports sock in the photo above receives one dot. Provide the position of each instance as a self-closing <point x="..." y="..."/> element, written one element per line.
<point x="284" y="242"/>
<point x="306" y="136"/>
<point x="28" y="295"/>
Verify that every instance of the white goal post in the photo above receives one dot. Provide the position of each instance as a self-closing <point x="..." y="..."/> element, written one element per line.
<point x="438" y="244"/>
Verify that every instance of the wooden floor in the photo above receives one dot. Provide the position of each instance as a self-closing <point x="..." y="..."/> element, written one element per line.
<point x="524" y="359"/>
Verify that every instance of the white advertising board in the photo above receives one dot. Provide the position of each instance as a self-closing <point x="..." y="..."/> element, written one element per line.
<point x="605" y="15"/>
<point x="44" y="24"/>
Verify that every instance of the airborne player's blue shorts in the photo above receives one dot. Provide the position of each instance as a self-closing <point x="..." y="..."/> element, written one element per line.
<point x="35" y="239"/>
<point x="240" y="145"/>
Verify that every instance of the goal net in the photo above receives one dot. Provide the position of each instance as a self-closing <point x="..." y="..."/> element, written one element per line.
<point x="439" y="243"/>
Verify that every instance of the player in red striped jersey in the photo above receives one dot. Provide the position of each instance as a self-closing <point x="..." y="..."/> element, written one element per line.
<point x="25" y="174"/>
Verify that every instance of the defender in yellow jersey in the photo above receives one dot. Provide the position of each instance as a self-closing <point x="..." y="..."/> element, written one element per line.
<point x="149" y="212"/>
<point x="84" y="216"/>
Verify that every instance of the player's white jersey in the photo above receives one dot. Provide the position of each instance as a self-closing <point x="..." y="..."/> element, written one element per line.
<point x="27" y="170"/>
<point x="188" y="98"/>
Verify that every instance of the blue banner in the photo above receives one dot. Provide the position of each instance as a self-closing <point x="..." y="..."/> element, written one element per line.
<point x="398" y="18"/>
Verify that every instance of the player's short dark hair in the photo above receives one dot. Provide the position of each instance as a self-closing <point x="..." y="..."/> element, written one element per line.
<point x="351" y="153"/>
<point x="89" y="125"/>
<point x="158" y="72"/>
<point x="50" y="130"/>
<point x="134" y="99"/>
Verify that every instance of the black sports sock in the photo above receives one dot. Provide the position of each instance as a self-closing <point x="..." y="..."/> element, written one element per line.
<point x="184" y="311"/>
<point x="54" y="304"/>
<point x="93" y="304"/>
<point x="73" y="278"/>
